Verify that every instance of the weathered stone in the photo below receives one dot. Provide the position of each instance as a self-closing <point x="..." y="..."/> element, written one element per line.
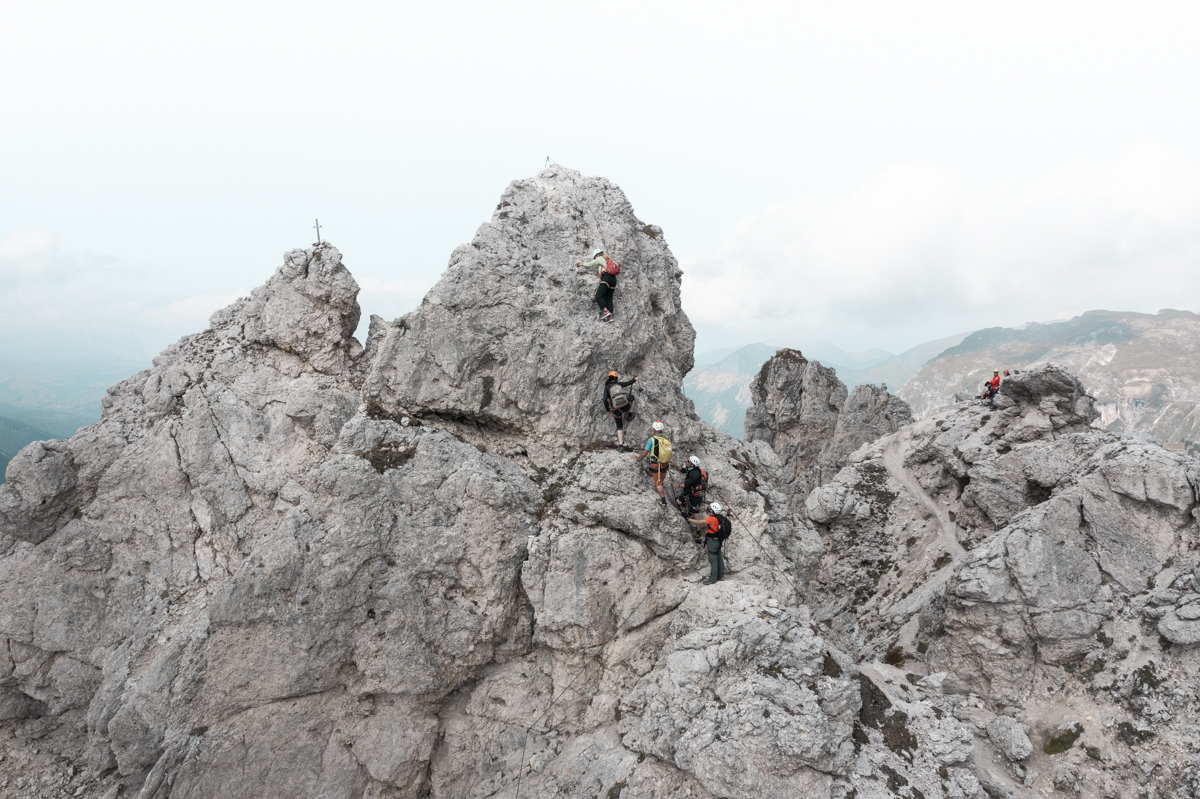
<point x="1009" y="737"/>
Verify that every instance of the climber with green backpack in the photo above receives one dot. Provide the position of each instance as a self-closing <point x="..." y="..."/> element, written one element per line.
<point x="658" y="450"/>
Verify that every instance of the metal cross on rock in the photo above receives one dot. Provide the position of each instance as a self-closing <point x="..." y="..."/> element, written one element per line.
<point x="318" y="227"/>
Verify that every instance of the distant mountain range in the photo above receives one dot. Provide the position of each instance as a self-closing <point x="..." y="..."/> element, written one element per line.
<point x="52" y="399"/>
<point x="1143" y="369"/>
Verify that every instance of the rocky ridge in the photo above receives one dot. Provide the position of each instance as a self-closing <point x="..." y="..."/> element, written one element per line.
<point x="283" y="564"/>
<point x="1140" y="367"/>
<point x="1033" y="576"/>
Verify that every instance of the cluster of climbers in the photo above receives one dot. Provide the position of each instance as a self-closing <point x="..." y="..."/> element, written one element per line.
<point x="992" y="387"/>
<point x="713" y="529"/>
<point x="619" y="402"/>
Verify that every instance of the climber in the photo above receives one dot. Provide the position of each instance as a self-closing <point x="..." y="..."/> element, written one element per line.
<point x="658" y="447"/>
<point x="993" y="388"/>
<point x="608" y="270"/>
<point x="694" y="485"/>
<point x="619" y="402"/>
<point x="716" y="529"/>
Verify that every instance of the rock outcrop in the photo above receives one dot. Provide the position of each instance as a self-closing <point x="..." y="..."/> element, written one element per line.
<point x="507" y="342"/>
<point x="1039" y="569"/>
<point x="283" y="564"/>
<point x="1141" y="368"/>
<point x="803" y="412"/>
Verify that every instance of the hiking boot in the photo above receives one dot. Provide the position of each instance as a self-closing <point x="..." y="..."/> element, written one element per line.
<point x="662" y="503"/>
<point x="620" y="447"/>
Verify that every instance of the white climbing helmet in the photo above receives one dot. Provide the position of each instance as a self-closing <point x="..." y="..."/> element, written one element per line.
<point x="717" y="507"/>
<point x="597" y="252"/>
<point x="657" y="426"/>
<point x="694" y="461"/>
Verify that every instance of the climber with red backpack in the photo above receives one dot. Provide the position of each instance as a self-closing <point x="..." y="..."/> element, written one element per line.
<point x="619" y="402"/>
<point x="716" y="528"/>
<point x="993" y="388"/>
<point x="608" y="270"/>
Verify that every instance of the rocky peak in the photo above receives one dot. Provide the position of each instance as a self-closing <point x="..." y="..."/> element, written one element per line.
<point x="309" y="308"/>
<point x="527" y="353"/>
<point x="803" y="412"/>
<point x="1045" y="399"/>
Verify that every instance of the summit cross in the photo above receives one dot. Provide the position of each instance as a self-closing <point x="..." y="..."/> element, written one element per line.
<point x="318" y="227"/>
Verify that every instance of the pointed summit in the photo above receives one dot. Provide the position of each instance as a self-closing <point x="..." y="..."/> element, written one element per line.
<point x="509" y="340"/>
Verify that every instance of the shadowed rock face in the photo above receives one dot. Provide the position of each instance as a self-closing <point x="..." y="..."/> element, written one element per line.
<point x="802" y="410"/>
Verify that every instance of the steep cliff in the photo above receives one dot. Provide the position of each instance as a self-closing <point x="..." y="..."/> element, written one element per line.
<point x="283" y="564"/>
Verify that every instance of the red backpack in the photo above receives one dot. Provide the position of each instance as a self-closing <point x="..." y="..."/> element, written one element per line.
<point x="611" y="266"/>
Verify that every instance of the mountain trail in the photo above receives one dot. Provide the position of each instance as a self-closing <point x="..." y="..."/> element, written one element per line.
<point x="894" y="455"/>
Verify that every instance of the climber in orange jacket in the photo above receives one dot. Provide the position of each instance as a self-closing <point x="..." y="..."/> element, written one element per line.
<point x="993" y="388"/>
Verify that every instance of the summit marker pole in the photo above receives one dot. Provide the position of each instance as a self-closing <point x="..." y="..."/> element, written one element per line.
<point x="318" y="227"/>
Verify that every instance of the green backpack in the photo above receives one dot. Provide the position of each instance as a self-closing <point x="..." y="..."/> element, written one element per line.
<point x="662" y="450"/>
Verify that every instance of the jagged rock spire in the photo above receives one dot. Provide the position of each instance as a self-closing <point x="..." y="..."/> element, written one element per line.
<point x="509" y="338"/>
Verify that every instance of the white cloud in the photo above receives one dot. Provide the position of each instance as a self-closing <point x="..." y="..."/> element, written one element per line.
<point x="918" y="251"/>
<point x="58" y="305"/>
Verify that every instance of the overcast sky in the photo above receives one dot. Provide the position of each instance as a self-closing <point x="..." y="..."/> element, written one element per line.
<point x="874" y="174"/>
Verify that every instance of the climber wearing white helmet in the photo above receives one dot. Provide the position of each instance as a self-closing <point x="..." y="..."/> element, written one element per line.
<point x="658" y="448"/>
<point x="694" y="485"/>
<point x="716" y="529"/>
<point x="607" y="270"/>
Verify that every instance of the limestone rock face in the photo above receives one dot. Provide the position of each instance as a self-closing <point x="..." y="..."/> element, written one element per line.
<point x="802" y="410"/>
<point x="1035" y="563"/>
<point x="508" y="340"/>
<point x="283" y="564"/>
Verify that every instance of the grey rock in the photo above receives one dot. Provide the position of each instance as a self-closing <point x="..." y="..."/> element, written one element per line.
<point x="1178" y="629"/>
<point x="1009" y="737"/>
<point x="527" y="354"/>
<point x="804" y="413"/>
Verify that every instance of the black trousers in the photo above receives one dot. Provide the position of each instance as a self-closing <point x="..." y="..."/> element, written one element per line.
<point x="604" y="297"/>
